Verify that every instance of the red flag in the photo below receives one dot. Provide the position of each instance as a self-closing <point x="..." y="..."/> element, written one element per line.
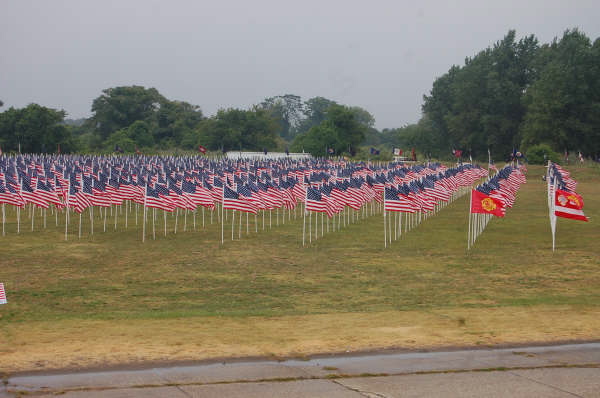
<point x="201" y="149"/>
<point x="2" y="294"/>
<point x="482" y="203"/>
<point x="569" y="205"/>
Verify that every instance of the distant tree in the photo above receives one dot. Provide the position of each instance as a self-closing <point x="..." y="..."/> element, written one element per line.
<point x="315" y="110"/>
<point x="316" y="141"/>
<point x="363" y="116"/>
<point x="75" y="122"/>
<point x="119" y="141"/>
<point x="541" y="153"/>
<point x="479" y="106"/>
<point x="563" y="104"/>
<point x="235" y="129"/>
<point x="139" y="132"/>
<point x="341" y="131"/>
<point x="175" y="120"/>
<point x="119" y="107"/>
<point x="34" y="129"/>
<point x="287" y="110"/>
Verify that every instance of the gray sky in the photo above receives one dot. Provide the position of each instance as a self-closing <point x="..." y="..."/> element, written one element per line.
<point x="380" y="55"/>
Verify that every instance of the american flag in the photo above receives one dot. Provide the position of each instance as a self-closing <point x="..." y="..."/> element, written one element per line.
<point x="332" y="206"/>
<point x="152" y="199"/>
<point x="396" y="202"/>
<point x="29" y="194"/>
<point x="10" y="196"/>
<point x="245" y="193"/>
<point x="314" y="201"/>
<point x="2" y="294"/>
<point x="232" y="201"/>
<point x="197" y="194"/>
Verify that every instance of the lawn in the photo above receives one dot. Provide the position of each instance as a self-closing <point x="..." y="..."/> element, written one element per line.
<point x="109" y="298"/>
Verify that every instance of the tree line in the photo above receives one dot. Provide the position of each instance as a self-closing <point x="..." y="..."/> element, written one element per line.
<point x="515" y="94"/>
<point x="138" y="119"/>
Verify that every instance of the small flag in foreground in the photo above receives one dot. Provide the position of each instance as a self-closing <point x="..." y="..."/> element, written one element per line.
<point x="482" y="203"/>
<point x="2" y="294"/>
<point x="569" y="205"/>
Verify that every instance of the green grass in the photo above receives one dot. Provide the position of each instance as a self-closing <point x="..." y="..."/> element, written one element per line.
<point x="114" y="275"/>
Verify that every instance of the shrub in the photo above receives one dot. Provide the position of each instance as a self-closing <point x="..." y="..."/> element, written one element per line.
<point x="541" y="153"/>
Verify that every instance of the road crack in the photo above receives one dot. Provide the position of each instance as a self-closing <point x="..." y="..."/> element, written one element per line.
<point x="368" y="394"/>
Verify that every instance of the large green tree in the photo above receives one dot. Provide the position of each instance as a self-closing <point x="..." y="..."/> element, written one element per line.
<point x="315" y="112"/>
<point x="478" y="106"/>
<point x="235" y="129"/>
<point x="174" y="121"/>
<point x="563" y="104"/>
<point x="119" y="107"/>
<point x="35" y="129"/>
<point x="342" y="131"/>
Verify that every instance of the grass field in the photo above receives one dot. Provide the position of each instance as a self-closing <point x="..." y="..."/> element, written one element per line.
<point x="110" y="299"/>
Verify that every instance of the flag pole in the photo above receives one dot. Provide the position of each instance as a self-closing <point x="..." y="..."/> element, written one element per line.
<point x="310" y="227"/>
<point x="144" y="224"/>
<point x="384" y="220"/>
<point x="553" y="218"/>
<point x="232" y="222"/>
<point x="470" y="219"/>
<point x="165" y="221"/>
<point x="222" y="225"/>
<point x="303" y="227"/>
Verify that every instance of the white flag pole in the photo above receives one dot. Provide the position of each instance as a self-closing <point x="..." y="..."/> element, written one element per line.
<point x="470" y="222"/>
<point x="303" y="225"/>
<point x="232" y="222"/>
<point x="553" y="218"/>
<point x="144" y="225"/>
<point x="384" y="220"/>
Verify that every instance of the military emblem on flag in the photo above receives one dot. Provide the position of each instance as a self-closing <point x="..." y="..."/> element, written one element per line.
<point x="2" y="294"/>
<point x="569" y="205"/>
<point x="482" y="203"/>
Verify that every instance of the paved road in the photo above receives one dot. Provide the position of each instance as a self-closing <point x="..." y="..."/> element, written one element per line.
<point x="552" y="371"/>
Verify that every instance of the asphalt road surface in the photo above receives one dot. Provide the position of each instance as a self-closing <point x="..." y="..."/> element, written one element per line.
<point x="549" y="371"/>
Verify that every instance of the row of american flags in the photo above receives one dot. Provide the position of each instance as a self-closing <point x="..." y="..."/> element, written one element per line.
<point x="492" y="197"/>
<point x="563" y="200"/>
<point x="80" y="182"/>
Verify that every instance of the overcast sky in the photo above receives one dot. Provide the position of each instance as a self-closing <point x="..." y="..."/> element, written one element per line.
<point x="380" y="55"/>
